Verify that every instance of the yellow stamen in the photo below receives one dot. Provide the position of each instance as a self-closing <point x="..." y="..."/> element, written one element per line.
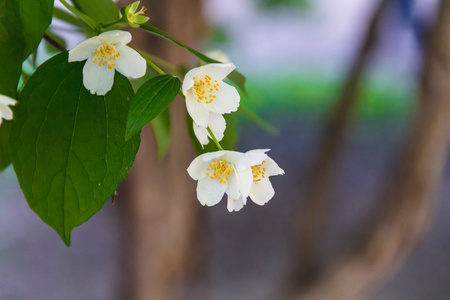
<point x="221" y="170"/>
<point x="105" y="54"/>
<point x="258" y="172"/>
<point x="205" y="90"/>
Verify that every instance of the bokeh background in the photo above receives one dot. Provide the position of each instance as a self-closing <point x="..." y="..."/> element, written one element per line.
<point x="296" y="55"/>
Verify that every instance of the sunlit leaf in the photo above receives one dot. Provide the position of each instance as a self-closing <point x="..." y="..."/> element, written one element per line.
<point x="152" y="98"/>
<point x="102" y="11"/>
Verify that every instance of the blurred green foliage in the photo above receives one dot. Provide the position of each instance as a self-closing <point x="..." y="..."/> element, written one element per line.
<point x="302" y="5"/>
<point x="312" y="96"/>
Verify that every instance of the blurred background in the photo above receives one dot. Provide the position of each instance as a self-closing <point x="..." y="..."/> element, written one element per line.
<point x="296" y="55"/>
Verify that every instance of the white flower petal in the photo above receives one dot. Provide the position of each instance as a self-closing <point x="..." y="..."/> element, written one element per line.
<point x="217" y="71"/>
<point x="217" y="125"/>
<point x="115" y="37"/>
<point x="201" y="133"/>
<point x="198" y="112"/>
<point x="84" y="49"/>
<point x="233" y="185"/>
<point x="7" y="100"/>
<point x="210" y="191"/>
<point x="272" y="168"/>
<point x="245" y="179"/>
<point x="235" y="204"/>
<point x="226" y="101"/>
<point x="197" y="168"/>
<point x="130" y="63"/>
<point x="207" y="157"/>
<point x="262" y="191"/>
<point x="5" y="112"/>
<point x="257" y="155"/>
<point x="239" y="160"/>
<point x="98" y="80"/>
<point x="188" y="81"/>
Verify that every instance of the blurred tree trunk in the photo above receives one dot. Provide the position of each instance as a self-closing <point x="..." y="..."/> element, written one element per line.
<point x="323" y="171"/>
<point x="405" y="212"/>
<point x="160" y="208"/>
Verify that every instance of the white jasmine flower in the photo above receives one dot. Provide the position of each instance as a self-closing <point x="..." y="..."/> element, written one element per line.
<point x="6" y="112"/>
<point x="261" y="190"/>
<point x="221" y="172"/>
<point x="134" y="18"/>
<point x="105" y="53"/>
<point x="217" y="126"/>
<point x="206" y="93"/>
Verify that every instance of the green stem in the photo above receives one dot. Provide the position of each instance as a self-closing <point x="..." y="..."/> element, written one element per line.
<point x="155" y="67"/>
<point x="161" y="62"/>
<point x="214" y="139"/>
<point x="88" y="20"/>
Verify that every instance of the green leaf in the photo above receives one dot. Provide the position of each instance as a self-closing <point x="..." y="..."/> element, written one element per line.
<point x="235" y="76"/>
<point x="22" y="25"/>
<point x="161" y="130"/>
<point x="102" y="11"/>
<point x="67" y="145"/>
<point x="152" y="98"/>
<point x="5" y="130"/>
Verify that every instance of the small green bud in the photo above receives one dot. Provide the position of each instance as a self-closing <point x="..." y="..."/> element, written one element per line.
<point x="135" y="18"/>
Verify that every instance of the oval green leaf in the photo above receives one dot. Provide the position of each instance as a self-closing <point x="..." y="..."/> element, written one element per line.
<point x="67" y="145"/>
<point x="152" y="98"/>
<point x="22" y="25"/>
<point x="102" y="11"/>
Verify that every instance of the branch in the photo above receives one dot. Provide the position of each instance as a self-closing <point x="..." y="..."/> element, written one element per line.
<point x="54" y="43"/>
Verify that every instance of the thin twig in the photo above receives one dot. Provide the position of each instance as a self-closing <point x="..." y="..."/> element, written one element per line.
<point x="54" y="43"/>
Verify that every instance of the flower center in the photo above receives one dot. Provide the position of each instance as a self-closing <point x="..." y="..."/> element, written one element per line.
<point x="258" y="172"/>
<point x="105" y="55"/>
<point x="205" y="89"/>
<point x="219" y="170"/>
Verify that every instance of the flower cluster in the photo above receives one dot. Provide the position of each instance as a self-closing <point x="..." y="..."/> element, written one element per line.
<point x="208" y="97"/>
<point x="6" y="112"/>
<point x="239" y="175"/>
